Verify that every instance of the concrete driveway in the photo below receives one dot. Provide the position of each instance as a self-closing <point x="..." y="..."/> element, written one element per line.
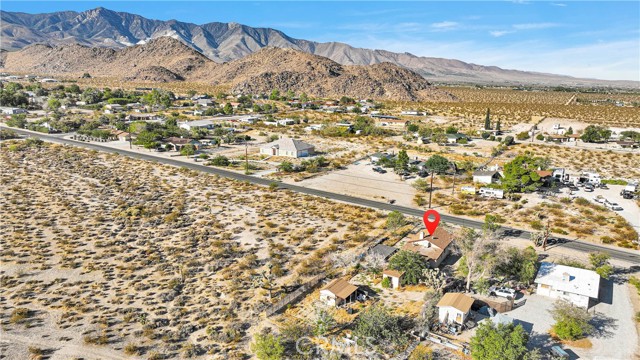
<point x="615" y="337"/>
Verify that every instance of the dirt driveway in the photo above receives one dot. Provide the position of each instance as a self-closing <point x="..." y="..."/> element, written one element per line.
<point x="615" y="337"/>
<point x="359" y="179"/>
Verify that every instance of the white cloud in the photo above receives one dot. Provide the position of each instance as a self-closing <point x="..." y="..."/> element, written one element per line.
<point x="559" y="4"/>
<point x="499" y="33"/>
<point x="535" y="26"/>
<point x="445" y="25"/>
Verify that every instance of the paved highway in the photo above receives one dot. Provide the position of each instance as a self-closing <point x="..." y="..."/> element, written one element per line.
<point x="619" y="254"/>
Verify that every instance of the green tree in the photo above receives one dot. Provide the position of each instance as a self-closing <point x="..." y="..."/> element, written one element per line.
<point x="451" y="130"/>
<point x="413" y="265"/>
<point x="220" y="160"/>
<point x="402" y="161"/>
<point x="572" y="322"/>
<point x="53" y="104"/>
<point x="286" y="166"/>
<point x="323" y="322"/>
<point x="569" y="131"/>
<point x="487" y="121"/>
<point x="228" y="109"/>
<point x="158" y="97"/>
<point x="438" y="164"/>
<point x="600" y="264"/>
<point x="595" y="133"/>
<point x="377" y="322"/>
<point x="498" y="125"/>
<point x="147" y="139"/>
<point x="267" y="346"/>
<point x="522" y="136"/>
<point x="275" y="94"/>
<point x="304" y="97"/>
<point x="520" y="174"/>
<point x="395" y="220"/>
<point x="421" y="185"/>
<point x="521" y="264"/>
<point x="17" y="121"/>
<point x="188" y="150"/>
<point x="502" y="341"/>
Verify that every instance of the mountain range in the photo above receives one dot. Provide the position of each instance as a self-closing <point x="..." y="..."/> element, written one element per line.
<point x="166" y="59"/>
<point x="223" y="42"/>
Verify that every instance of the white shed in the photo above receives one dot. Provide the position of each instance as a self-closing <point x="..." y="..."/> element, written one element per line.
<point x="454" y="308"/>
<point x="338" y="292"/>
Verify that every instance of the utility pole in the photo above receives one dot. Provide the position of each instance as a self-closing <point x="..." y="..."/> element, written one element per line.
<point x="455" y="170"/>
<point x="246" y="156"/>
<point x="546" y="237"/>
<point x="431" y="189"/>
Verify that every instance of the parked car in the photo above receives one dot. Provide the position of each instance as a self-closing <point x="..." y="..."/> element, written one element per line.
<point x="626" y="194"/>
<point x="557" y="353"/>
<point x="380" y="170"/>
<point x="615" y="207"/>
<point x="599" y="199"/>
<point x="589" y="188"/>
<point x="504" y="292"/>
<point x="603" y="186"/>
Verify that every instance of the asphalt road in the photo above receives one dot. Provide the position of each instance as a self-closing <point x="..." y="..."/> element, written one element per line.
<point x="628" y="256"/>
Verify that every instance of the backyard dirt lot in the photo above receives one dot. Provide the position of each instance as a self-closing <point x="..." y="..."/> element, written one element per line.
<point x="359" y="179"/>
<point x="615" y="337"/>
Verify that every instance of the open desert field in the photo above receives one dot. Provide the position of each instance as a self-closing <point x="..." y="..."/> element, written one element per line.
<point x="105" y="257"/>
<point x="515" y="106"/>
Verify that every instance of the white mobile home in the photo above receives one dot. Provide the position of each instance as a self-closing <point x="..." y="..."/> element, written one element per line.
<point x="492" y="193"/>
<point x="572" y="284"/>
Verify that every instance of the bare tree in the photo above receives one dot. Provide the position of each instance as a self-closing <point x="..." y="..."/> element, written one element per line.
<point x="478" y="251"/>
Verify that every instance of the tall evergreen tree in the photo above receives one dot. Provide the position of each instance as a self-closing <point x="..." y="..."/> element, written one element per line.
<point x="487" y="121"/>
<point x="498" y="125"/>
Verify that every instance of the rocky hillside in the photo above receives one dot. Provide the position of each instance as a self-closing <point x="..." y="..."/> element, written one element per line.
<point x="162" y="59"/>
<point x="222" y="42"/>
<point x="167" y="59"/>
<point x="288" y="69"/>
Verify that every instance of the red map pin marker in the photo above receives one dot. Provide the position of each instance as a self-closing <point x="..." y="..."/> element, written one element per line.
<point x="431" y="225"/>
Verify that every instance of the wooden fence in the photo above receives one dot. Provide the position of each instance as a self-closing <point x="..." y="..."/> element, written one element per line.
<point x="294" y="296"/>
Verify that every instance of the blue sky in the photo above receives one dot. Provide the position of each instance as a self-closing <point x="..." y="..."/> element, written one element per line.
<point x="594" y="39"/>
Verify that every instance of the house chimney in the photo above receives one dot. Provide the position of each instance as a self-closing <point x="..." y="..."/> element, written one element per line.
<point x="421" y="235"/>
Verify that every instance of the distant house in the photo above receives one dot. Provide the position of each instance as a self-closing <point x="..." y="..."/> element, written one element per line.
<point x="288" y="147"/>
<point x="546" y="177"/>
<point x="113" y="108"/>
<point x="434" y="247"/>
<point x="454" y="308"/>
<point x="384" y="251"/>
<point x="198" y="124"/>
<point x="578" y="286"/>
<point x="411" y="113"/>
<point x="284" y="122"/>
<point x="394" y="276"/>
<point x="121" y="135"/>
<point x="338" y="292"/>
<point x="376" y="157"/>
<point x="142" y="117"/>
<point x="486" y="176"/>
<point x="456" y="138"/>
<point x="205" y="102"/>
<point x="12" y="110"/>
<point x="178" y="143"/>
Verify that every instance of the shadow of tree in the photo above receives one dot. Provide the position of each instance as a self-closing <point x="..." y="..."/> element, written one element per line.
<point x="603" y="326"/>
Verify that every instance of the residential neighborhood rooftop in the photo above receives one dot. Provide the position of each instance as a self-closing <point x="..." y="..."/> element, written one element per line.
<point x="569" y="279"/>
<point x="340" y="288"/>
<point x="458" y="301"/>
